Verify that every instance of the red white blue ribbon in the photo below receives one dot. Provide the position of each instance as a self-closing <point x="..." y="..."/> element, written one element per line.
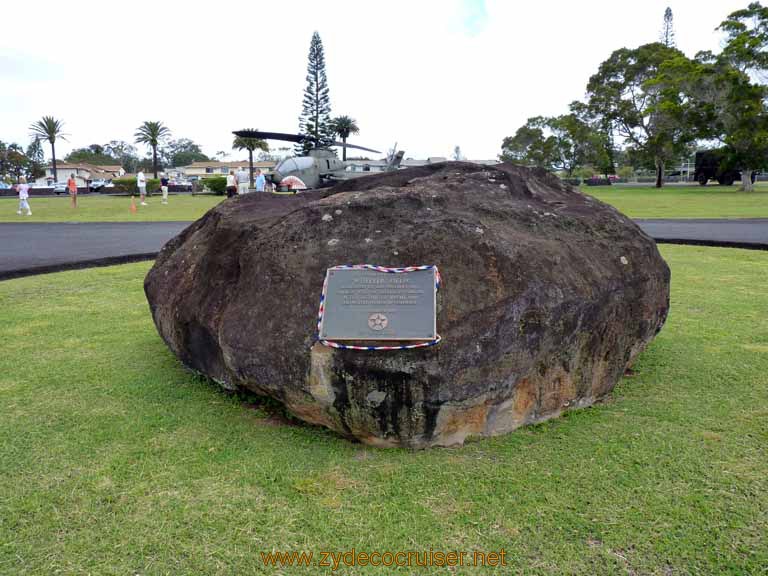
<point x="339" y="345"/>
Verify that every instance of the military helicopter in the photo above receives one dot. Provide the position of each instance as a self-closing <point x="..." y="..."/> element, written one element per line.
<point x="321" y="167"/>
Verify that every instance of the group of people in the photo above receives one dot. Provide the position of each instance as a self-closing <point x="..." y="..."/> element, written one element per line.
<point x="22" y="188"/>
<point x="141" y="184"/>
<point x="239" y="182"/>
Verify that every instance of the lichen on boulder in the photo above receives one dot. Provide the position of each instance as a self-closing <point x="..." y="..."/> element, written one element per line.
<point x="548" y="296"/>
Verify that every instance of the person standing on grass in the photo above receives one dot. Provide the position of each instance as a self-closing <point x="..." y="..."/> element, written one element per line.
<point x="231" y="184"/>
<point x="72" y="187"/>
<point x="243" y="179"/>
<point x="23" y="189"/>
<point x="141" y="182"/>
<point x="260" y="181"/>
<point x="164" y="187"/>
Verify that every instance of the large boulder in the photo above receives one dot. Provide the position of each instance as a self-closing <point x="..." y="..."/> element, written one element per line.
<point x="548" y="295"/>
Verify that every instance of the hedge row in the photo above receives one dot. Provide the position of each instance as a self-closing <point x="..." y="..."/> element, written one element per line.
<point x="597" y="182"/>
<point x="216" y="184"/>
<point x="128" y="185"/>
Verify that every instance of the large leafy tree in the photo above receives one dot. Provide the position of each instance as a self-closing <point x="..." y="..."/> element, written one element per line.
<point x="716" y="94"/>
<point x="742" y="121"/>
<point x="565" y="142"/>
<point x="739" y="104"/>
<point x="16" y="163"/>
<point x="182" y="152"/>
<point x="36" y="159"/>
<point x="3" y="160"/>
<point x="746" y="38"/>
<point x="626" y="94"/>
<point x="529" y="146"/>
<point x="151" y="134"/>
<point x="573" y="142"/>
<point x="124" y="152"/>
<point x="728" y="107"/>
<point x="250" y="144"/>
<point x="315" y="119"/>
<point x="93" y="154"/>
<point x="595" y="133"/>
<point x="344" y="126"/>
<point x="50" y="129"/>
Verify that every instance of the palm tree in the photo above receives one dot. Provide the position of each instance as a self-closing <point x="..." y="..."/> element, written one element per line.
<point x="49" y="129"/>
<point x="150" y="133"/>
<point x="250" y="144"/>
<point x="344" y="126"/>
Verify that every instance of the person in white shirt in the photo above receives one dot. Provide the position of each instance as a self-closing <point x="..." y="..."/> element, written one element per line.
<point x="141" y="182"/>
<point x="243" y="180"/>
<point x="231" y="184"/>
<point x="23" y="188"/>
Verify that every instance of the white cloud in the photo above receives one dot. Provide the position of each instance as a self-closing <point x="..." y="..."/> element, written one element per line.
<point x="427" y="74"/>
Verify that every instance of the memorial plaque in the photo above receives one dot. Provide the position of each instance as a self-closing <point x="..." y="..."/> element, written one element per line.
<point x="371" y="305"/>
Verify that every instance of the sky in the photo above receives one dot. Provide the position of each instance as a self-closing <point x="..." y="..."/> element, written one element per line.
<point x="428" y="75"/>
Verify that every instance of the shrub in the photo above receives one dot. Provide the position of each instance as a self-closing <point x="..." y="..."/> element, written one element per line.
<point x="216" y="184"/>
<point x="584" y="172"/>
<point x="572" y="181"/>
<point x="626" y="172"/>
<point x="128" y="185"/>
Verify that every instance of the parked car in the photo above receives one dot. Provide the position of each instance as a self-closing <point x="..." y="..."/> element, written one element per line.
<point x="181" y="185"/>
<point x="4" y="186"/>
<point x="60" y="188"/>
<point x="98" y="184"/>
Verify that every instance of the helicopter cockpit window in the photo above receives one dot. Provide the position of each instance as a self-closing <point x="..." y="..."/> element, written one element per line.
<point x="293" y="164"/>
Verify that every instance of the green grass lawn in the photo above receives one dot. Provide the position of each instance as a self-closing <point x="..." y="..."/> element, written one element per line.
<point x="685" y="201"/>
<point x="637" y="202"/>
<point x="115" y="460"/>
<point x="95" y="208"/>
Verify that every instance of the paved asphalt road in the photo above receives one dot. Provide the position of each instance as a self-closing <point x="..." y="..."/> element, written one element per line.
<point x="742" y="233"/>
<point x="33" y="248"/>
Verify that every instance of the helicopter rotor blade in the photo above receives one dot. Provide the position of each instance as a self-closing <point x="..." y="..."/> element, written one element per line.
<point x="299" y="138"/>
<point x="270" y="135"/>
<point x="348" y="145"/>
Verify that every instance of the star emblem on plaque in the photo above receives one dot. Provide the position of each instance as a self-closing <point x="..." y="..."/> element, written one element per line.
<point x="377" y="321"/>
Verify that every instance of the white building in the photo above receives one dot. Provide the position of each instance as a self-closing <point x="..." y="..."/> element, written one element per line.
<point x="83" y="172"/>
<point x="209" y="168"/>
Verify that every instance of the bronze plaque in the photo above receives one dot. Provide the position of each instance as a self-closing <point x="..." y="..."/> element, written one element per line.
<point x="369" y="305"/>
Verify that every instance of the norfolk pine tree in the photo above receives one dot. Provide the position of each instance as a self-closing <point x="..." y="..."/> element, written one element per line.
<point x="315" y="119"/>
<point x="667" y="36"/>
